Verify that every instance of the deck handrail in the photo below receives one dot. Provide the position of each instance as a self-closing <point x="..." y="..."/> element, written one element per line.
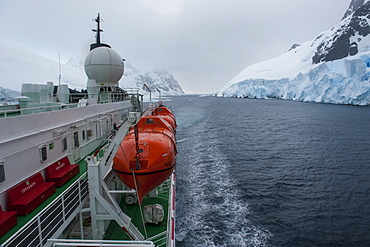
<point x="103" y="243"/>
<point x="48" y="221"/>
<point x="34" y="109"/>
<point x="112" y="98"/>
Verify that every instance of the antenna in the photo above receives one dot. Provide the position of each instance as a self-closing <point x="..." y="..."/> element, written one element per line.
<point x="98" y="30"/>
<point x="60" y="71"/>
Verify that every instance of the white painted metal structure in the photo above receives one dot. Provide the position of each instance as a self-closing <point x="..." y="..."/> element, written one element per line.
<point x="46" y="129"/>
<point x="103" y="203"/>
<point x="72" y="132"/>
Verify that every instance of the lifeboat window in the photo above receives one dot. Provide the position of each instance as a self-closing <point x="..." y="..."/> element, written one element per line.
<point x="43" y="153"/>
<point x="149" y="120"/>
<point x="83" y="135"/>
<point x="64" y="144"/>
<point x="140" y="151"/>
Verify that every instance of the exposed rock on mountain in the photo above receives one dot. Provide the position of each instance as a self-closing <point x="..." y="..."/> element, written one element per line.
<point x="161" y="80"/>
<point x="345" y="40"/>
<point x="8" y="95"/>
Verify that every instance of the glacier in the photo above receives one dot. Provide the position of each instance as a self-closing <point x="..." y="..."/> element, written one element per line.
<point x="306" y="72"/>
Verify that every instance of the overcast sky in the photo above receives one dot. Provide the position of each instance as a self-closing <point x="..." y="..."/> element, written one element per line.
<point x="204" y="43"/>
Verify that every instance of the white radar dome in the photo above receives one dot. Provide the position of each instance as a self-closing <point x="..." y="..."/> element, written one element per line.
<point x="105" y="66"/>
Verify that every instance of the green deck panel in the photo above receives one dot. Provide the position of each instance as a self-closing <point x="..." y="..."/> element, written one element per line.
<point x="23" y="219"/>
<point x="115" y="232"/>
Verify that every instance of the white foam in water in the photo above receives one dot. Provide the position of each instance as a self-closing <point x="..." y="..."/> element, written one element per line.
<point x="210" y="213"/>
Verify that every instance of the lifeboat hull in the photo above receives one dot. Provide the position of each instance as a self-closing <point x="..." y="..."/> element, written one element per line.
<point x="146" y="160"/>
<point x="166" y="114"/>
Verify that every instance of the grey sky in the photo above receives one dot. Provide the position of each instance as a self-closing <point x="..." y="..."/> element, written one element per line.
<point x="204" y="43"/>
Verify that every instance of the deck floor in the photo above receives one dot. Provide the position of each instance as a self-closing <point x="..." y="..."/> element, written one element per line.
<point x="115" y="232"/>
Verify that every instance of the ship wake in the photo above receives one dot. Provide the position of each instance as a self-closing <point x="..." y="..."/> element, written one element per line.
<point x="210" y="211"/>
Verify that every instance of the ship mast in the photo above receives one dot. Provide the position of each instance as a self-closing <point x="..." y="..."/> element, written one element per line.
<point x="97" y="31"/>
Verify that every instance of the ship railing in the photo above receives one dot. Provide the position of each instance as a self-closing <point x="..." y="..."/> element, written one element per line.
<point x="132" y="91"/>
<point x="117" y="96"/>
<point x="50" y="222"/>
<point x="159" y="239"/>
<point x="38" y="109"/>
<point x="171" y="211"/>
<point x="132" y="94"/>
<point x="163" y="190"/>
<point x="166" y="191"/>
<point x="114" y="97"/>
<point x="102" y="243"/>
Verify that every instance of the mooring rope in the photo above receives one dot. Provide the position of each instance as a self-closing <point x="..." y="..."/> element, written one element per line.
<point x="124" y="154"/>
<point x="138" y="197"/>
<point x="136" y="131"/>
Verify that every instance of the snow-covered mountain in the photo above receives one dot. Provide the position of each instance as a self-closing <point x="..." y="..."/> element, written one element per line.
<point x="8" y="95"/>
<point x="162" y="80"/>
<point x="332" y="68"/>
<point x="19" y="65"/>
<point x="134" y="78"/>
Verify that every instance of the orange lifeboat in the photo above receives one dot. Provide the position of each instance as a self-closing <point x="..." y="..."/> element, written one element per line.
<point x="165" y="113"/>
<point x="147" y="155"/>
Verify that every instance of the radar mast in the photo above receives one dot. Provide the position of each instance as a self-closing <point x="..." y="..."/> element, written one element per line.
<point x="97" y="31"/>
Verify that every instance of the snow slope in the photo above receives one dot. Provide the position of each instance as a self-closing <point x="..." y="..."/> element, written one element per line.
<point x="19" y="65"/>
<point x="7" y="95"/>
<point x="161" y="80"/>
<point x="332" y="68"/>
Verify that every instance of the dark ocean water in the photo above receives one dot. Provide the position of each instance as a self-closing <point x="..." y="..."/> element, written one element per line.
<point x="271" y="173"/>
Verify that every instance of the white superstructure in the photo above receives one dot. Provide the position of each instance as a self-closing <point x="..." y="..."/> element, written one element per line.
<point x="52" y="126"/>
